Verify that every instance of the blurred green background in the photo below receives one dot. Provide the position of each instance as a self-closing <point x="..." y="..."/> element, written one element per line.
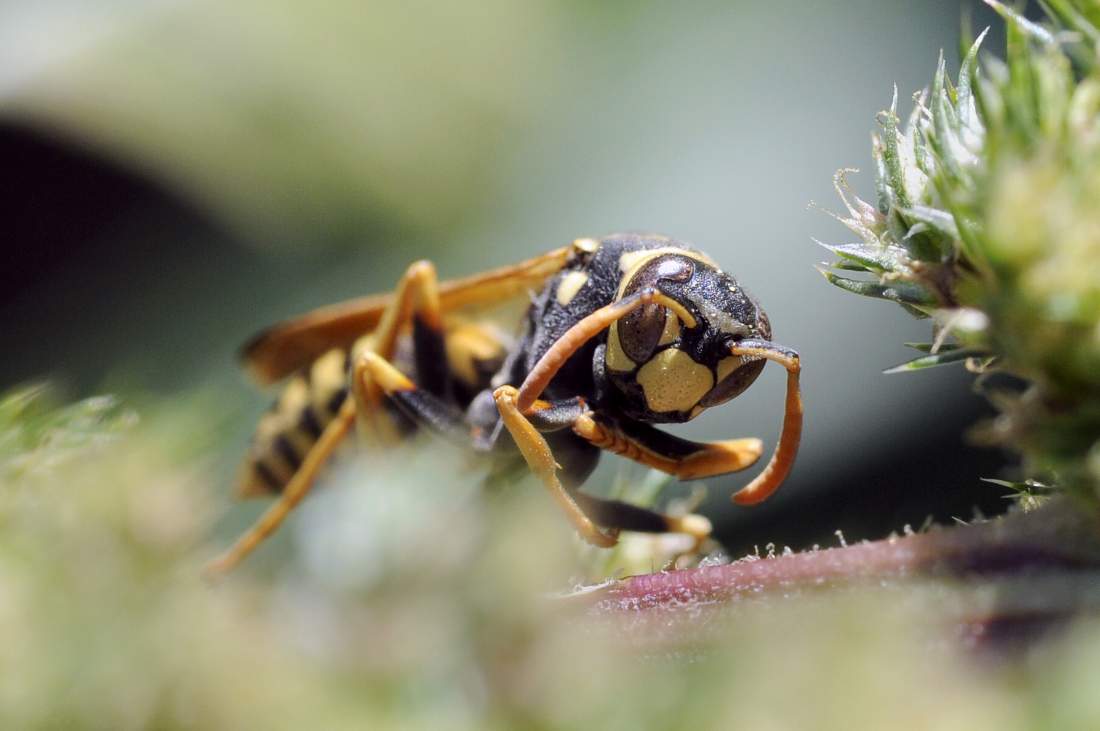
<point x="183" y="173"/>
<point x="180" y="174"/>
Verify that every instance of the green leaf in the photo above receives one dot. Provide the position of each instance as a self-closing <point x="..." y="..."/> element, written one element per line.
<point x="891" y="154"/>
<point x="1070" y="17"/>
<point x="1027" y="27"/>
<point x="941" y="222"/>
<point x="850" y="266"/>
<point x="927" y="347"/>
<point x="915" y="312"/>
<point x="868" y="257"/>
<point x="966" y="79"/>
<point x="1027" y="487"/>
<point x="907" y="293"/>
<point x="945" y="356"/>
<point x="941" y="123"/>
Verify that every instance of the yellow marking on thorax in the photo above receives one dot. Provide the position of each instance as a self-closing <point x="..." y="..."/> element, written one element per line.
<point x="586" y="245"/>
<point x="570" y="284"/>
<point x="672" y="381"/>
<point x="616" y="359"/>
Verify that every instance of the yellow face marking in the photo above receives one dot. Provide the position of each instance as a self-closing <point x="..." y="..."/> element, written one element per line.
<point x="586" y="245"/>
<point x="672" y="381"/>
<point x="616" y="359"/>
<point x="728" y="365"/>
<point x="570" y="284"/>
<point x="672" y="328"/>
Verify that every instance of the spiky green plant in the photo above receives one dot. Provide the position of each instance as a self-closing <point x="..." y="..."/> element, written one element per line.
<point x="988" y="222"/>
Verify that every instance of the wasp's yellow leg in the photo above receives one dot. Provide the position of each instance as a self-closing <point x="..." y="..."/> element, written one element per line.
<point x="670" y="454"/>
<point x="532" y="445"/>
<point x="416" y="298"/>
<point x="612" y="514"/>
<point x="618" y="515"/>
<point x="296" y="490"/>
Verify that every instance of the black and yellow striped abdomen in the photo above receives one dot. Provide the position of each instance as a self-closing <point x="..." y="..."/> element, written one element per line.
<point x="293" y="424"/>
<point x="312" y="398"/>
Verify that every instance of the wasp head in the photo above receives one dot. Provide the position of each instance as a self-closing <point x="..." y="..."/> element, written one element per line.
<point x="670" y="359"/>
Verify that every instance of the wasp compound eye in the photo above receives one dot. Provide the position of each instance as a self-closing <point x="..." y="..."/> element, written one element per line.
<point x="640" y="330"/>
<point x="734" y="376"/>
<point x="650" y="325"/>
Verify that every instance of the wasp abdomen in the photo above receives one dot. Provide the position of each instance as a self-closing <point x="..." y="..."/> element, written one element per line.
<point x="294" y="423"/>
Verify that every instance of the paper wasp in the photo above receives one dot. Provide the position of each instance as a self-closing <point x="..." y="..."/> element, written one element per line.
<point x="622" y="333"/>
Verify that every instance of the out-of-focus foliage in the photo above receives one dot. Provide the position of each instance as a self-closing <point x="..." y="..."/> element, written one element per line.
<point x="298" y="122"/>
<point x="987" y="221"/>
<point x="421" y="604"/>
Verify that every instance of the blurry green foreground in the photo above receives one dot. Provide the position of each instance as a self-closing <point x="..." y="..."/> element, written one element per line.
<point x="421" y="602"/>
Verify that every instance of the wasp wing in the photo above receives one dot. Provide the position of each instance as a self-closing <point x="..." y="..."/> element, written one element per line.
<point x="285" y="348"/>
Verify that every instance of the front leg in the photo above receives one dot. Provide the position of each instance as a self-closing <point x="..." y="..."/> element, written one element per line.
<point x="654" y="448"/>
<point x="532" y="445"/>
<point x="584" y="511"/>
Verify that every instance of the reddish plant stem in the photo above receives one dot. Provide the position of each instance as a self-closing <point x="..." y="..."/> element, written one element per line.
<point x="1057" y="546"/>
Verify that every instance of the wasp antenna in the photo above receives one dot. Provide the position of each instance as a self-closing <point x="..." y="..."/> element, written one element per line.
<point x="779" y="466"/>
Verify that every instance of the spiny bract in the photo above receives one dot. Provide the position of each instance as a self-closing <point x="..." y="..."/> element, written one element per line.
<point x="987" y="221"/>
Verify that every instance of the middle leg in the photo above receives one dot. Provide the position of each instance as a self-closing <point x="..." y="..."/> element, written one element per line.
<point x="586" y="512"/>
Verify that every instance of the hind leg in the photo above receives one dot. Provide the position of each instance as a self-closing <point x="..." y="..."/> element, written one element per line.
<point x="415" y="304"/>
<point x="294" y="492"/>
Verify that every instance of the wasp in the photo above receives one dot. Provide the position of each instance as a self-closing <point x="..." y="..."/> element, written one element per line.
<point x="621" y="333"/>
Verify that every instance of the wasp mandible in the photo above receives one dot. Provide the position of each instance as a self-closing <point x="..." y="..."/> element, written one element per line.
<point x="624" y="332"/>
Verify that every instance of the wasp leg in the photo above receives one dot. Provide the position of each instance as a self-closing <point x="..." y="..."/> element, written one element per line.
<point x="532" y="445"/>
<point x="618" y="515"/>
<point x="298" y="487"/>
<point x="426" y="409"/>
<point x="416" y="301"/>
<point x="420" y="405"/>
<point x="583" y="510"/>
<point x="670" y="454"/>
<point x="423" y="407"/>
<point x="690" y="460"/>
<point x="779" y="466"/>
